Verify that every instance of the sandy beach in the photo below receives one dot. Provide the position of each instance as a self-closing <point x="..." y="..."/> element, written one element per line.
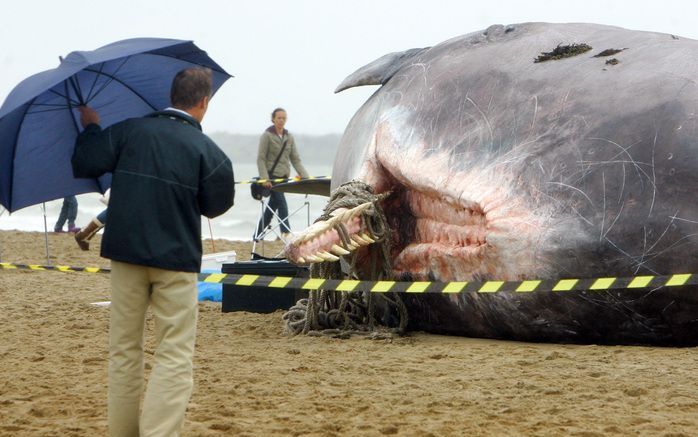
<point x="252" y="380"/>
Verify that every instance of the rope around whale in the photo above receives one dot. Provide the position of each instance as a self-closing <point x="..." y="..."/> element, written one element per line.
<point x="340" y="313"/>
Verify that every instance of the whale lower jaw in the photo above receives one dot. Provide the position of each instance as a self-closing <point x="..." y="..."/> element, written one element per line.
<point x="430" y="237"/>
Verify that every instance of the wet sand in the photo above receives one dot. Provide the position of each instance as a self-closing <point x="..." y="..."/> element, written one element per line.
<point x="251" y="380"/>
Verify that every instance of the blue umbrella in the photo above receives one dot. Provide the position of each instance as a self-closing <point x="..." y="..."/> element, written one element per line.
<point x="39" y="120"/>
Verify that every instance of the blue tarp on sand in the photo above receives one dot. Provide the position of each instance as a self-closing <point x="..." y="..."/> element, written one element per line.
<point x="210" y="291"/>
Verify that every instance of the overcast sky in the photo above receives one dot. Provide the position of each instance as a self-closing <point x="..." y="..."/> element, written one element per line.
<point x="292" y="53"/>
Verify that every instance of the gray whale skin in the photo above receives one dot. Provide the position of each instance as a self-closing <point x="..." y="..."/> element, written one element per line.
<point x="502" y="168"/>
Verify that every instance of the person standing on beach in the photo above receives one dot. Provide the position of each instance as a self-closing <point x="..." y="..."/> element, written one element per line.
<point x="69" y="212"/>
<point x="166" y="174"/>
<point x="277" y="150"/>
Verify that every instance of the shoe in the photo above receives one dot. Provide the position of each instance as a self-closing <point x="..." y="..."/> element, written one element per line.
<point x="83" y="237"/>
<point x="73" y="229"/>
<point x="58" y="230"/>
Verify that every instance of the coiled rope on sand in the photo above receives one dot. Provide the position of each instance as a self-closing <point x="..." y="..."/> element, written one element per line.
<point x="341" y="313"/>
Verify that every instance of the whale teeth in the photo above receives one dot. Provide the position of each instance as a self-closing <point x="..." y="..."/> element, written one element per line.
<point x="314" y="259"/>
<point x="339" y="250"/>
<point x="318" y="232"/>
<point x="338" y="211"/>
<point x="341" y="215"/>
<point x="359" y="209"/>
<point x="345" y="215"/>
<point x="327" y="256"/>
<point x="330" y="221"/>
<point x="366" y="237"/>
<point x="306" y="237"/>
<point x="359" y="240"/>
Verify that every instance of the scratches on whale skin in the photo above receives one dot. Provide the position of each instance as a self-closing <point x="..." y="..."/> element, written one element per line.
<point x="633" y="259"/>
<point x="535" y="114"/>
<point x="564" y="206"/>
<point x="563" y="104"/>
<point x="649" y="253"/>
<point x="603" y="209"/>
<point x="681" y="219"/>
<point x="620" y="211"/>
<point x="622" y="186"/>
<point x="484" y="116"/>
<point x="672" y="246"/>
<point x="562" y="184"/>
<point x="654" y="175"/>
<point x="644" y="250"/>
<point x="625" y="150"/>
<point x="666" y="229"/>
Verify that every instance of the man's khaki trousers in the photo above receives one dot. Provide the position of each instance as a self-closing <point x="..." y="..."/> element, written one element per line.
<point x="173" y="299"/>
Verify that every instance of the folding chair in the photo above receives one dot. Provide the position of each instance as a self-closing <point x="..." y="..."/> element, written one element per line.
<point x="274" y="225"/>
<point x="319" y="186"/>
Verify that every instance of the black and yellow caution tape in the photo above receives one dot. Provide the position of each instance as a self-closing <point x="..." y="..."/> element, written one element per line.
<point x="526" y="286"/>
<point x="280" y="180"/>
<point x="36" y="267"/>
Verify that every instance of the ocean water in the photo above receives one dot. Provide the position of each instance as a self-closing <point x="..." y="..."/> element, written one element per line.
<point x="237" y="224"/>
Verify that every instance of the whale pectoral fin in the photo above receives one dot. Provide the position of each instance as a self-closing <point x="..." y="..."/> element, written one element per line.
<point x="381" y="70"/>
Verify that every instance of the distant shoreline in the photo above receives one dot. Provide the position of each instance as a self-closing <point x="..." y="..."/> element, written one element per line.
<point x="313" y="149"/>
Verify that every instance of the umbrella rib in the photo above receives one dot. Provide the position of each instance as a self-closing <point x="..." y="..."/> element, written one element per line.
<point x="76" y="88"/>
<point x="106" y="84"/>
<point x="94" y="83"/>
<point x="50" y="105"/>
<point x="125" y="85"/>
<point x="70" y="107"/>
<point x="66" y="97"/>
<point x="61" y="108"/>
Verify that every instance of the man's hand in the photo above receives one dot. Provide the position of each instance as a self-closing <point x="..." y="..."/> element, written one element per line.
<point x="88" y="116"/>
<point x="267" y="184"/>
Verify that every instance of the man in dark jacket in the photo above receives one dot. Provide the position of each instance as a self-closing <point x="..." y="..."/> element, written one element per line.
<point x="166" y="174"/>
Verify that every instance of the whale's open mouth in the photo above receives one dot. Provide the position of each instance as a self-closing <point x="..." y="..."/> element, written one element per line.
<point x="432" y="237"/>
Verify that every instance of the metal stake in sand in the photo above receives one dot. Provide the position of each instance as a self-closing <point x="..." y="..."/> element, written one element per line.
<point x="48" y="259"/>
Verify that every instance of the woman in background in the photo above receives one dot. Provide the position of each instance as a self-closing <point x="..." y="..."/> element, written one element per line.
<point x="277" y="151"/>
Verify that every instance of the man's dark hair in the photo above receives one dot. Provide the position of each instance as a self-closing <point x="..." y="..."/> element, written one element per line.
<point x="273" y="113"/>
<point x="189" y="86"/>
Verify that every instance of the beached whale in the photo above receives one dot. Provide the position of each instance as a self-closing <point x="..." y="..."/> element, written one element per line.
<point x="527" y="151"/>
